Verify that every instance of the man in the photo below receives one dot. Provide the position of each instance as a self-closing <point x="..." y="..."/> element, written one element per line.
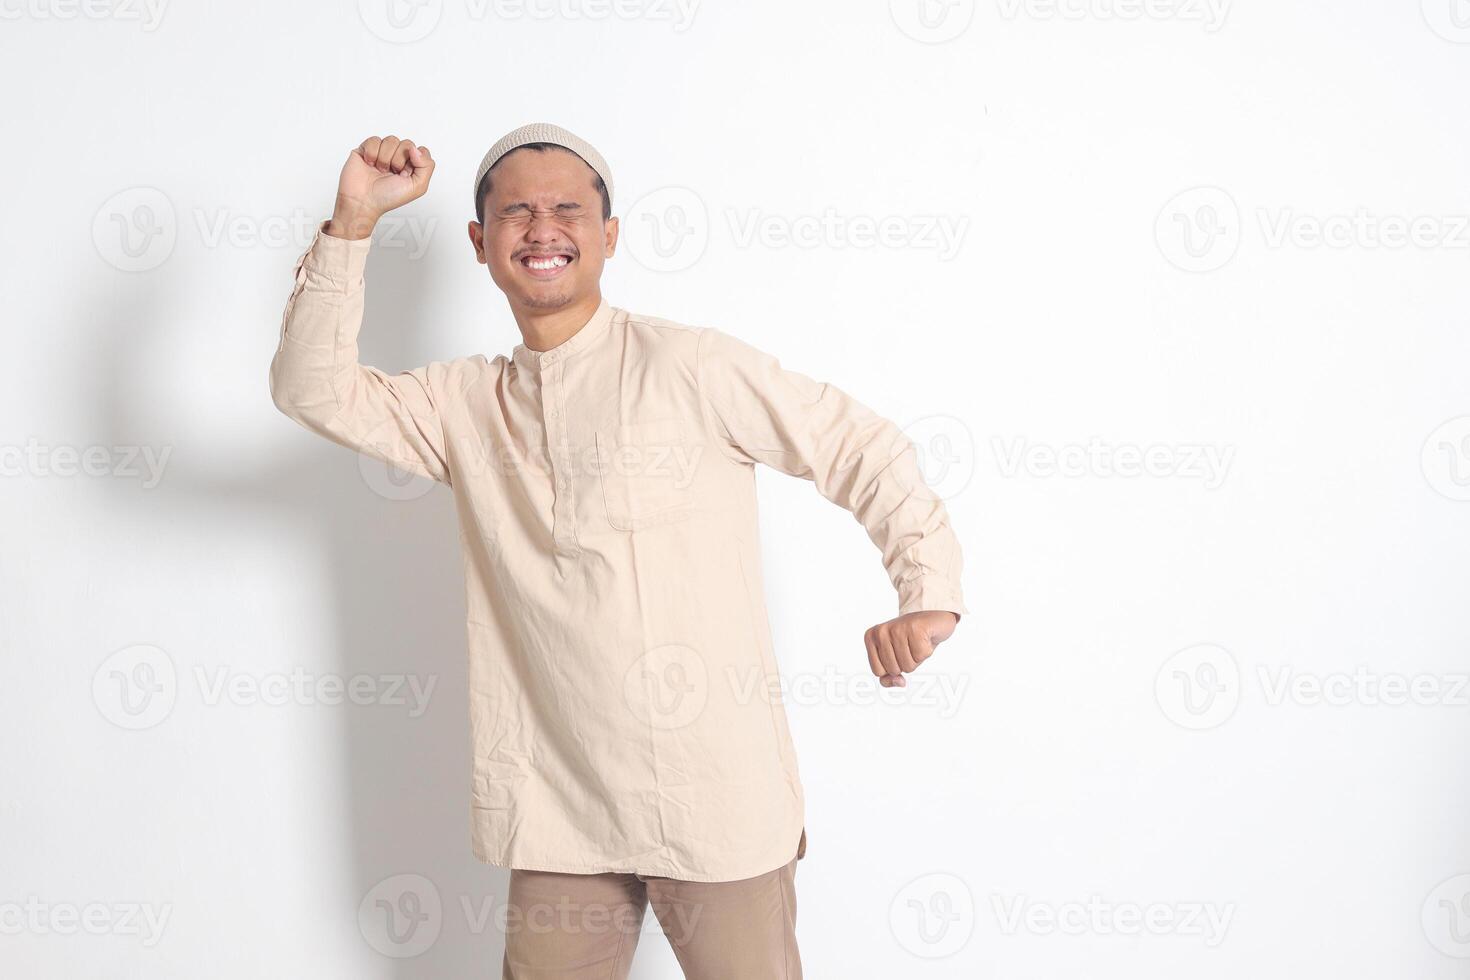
<point x="627" y="748"/>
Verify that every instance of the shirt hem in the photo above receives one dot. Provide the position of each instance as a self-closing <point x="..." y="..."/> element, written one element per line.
<point x="649" y="871"/>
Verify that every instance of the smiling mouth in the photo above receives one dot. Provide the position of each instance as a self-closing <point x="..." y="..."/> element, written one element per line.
<point x="546" y="266"/>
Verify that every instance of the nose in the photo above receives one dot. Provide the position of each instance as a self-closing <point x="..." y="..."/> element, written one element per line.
<point x="542" y="229"/>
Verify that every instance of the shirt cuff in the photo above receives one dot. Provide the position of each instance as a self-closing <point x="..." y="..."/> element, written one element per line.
<point x="340" y="261"/>
<point x="930" y="593"/>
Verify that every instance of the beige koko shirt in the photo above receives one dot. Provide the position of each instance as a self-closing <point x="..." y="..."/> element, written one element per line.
<point x="620" y="659"/>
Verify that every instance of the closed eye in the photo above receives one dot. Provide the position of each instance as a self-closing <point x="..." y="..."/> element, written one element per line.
<point x="568" y="210"/>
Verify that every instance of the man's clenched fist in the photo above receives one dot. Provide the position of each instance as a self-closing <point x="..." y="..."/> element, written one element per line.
<point x="898" y="646"/>
<point x="380" y="175"/>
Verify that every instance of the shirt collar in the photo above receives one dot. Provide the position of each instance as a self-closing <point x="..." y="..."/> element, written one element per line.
<point x="589" y="332"/>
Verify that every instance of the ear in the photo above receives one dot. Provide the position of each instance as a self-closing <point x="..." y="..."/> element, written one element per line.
<point x="609" y="237"/>
<point x="477" y="239"/>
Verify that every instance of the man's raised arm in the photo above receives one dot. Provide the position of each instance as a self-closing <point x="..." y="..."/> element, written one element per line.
<point x="315" y="377"/>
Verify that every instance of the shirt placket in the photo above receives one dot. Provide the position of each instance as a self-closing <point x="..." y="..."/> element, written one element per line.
<point x="553" y="417"/>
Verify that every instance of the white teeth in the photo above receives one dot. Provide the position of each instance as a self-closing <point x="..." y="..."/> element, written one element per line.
<point x="555" y="262"/>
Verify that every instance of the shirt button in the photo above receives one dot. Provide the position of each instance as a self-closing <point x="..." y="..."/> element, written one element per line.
<point x="551" y="413"/>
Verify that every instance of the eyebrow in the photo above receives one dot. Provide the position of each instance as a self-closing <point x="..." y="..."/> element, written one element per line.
<point x="525" y="206"/>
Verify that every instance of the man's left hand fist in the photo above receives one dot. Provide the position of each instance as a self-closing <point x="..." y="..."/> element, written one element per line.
<point x="898" y="646"/>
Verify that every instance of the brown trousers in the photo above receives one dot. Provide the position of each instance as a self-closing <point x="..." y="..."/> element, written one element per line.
<point x="585" y="927"/>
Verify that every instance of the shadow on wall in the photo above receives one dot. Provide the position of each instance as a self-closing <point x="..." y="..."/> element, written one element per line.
<point x="397" y="607"/>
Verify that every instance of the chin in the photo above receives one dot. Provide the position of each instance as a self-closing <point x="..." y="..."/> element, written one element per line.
<point x="546" y="299"/>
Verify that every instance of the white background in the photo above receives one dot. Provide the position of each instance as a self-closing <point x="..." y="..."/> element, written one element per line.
<point x="1180" y="696"/>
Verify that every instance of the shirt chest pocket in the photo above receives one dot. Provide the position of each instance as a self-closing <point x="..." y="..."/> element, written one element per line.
<point x="646" y="473"/>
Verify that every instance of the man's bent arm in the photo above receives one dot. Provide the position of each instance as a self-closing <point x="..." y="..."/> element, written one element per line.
<point x="857" y="459"/>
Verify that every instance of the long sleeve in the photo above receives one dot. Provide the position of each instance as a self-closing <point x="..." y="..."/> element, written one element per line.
<point x="857" y="459"/>
<point x="315" y="377"/>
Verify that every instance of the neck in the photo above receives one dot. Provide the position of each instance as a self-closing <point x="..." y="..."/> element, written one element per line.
<point x="545" y="329"/>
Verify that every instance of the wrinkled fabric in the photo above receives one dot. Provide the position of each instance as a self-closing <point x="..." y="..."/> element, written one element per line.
<point x="624" y="692"/>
